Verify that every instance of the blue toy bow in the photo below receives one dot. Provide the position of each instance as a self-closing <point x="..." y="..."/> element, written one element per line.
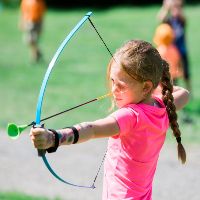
<point x="41" y="153"/>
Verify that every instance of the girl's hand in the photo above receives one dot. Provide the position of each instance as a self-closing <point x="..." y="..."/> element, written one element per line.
<point x="41" y="138"/>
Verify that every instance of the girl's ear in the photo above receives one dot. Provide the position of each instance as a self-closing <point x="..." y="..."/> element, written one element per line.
<point x="147" y="87"/>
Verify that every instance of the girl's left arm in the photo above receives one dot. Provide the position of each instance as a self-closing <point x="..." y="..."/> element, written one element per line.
<point x="181" y="97"/>
<point x="43" y="139"/>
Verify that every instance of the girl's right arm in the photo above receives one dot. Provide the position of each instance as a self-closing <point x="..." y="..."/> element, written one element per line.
<point x="43" y="139"/>
<point x="181" y="97"/>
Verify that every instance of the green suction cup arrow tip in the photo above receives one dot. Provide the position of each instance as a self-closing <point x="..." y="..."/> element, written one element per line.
<point x="15" y="131"/>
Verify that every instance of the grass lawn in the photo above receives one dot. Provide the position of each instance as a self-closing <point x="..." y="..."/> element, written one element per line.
<point x="20" y="196"/>
<point x="80" y="72"/>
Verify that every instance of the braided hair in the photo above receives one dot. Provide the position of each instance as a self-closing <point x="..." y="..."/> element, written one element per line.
<point x="168" y="99"/>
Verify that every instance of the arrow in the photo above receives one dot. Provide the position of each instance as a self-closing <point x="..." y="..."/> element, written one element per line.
<point x="14" y="131"/>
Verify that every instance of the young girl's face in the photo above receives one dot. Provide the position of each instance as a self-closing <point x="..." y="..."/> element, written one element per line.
<point x="125" y="89"/>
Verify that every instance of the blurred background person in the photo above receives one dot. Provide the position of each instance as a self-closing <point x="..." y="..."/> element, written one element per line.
<point x="163" y="39"/>
<point x="30" y="22"/>
<point x="171" y="13"/>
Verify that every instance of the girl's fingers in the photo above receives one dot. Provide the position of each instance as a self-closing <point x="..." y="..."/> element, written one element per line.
<point x="37" y="131"/>
<point x="38" y="138"/>
<point x="39" y="142"/>
<point x="39" y="145"/>
<point x="41" y="138"/>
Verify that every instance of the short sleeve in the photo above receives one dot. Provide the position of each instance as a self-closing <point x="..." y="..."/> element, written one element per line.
<point x="126" y="118"/>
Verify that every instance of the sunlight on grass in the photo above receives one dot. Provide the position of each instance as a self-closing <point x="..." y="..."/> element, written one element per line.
<point x="20" y="196"/>
<point x="79" y="73"/>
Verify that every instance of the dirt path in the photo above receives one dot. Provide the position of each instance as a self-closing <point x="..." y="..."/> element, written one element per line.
<point x="22" y="170"/>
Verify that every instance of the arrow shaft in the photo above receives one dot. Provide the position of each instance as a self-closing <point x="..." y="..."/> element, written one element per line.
<point x="72" y="108"/>
<point x="68" y="110"/>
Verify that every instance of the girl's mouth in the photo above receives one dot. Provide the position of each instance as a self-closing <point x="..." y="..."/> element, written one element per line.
<point x="117" y="99"/>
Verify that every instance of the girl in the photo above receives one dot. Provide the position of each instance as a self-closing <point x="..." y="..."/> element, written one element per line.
<point x="137" y="129"/>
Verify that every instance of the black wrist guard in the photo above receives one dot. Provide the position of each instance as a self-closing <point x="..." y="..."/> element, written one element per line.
<point x="54" y="148"/>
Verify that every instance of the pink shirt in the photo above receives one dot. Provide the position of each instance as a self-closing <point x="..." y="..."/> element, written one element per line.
<point x="132" y="155"/>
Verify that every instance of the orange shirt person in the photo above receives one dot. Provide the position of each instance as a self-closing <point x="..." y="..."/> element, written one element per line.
<point x="30" y="21"/>
<point x="33" y="10"/>
<point x="164" y="36"/>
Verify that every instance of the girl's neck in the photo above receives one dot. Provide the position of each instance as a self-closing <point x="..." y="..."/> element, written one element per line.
<point x="149" y="101"/>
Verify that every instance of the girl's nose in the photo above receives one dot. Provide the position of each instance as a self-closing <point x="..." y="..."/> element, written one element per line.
<point x="115" y="89"/>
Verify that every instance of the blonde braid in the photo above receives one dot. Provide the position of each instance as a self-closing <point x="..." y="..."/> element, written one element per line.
<point x="168" y="99"/>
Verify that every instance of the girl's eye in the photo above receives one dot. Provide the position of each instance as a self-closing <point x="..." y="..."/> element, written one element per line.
<point x="121" y="87"/>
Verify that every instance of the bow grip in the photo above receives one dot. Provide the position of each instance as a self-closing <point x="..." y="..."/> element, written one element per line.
<point x="41" y="152"/>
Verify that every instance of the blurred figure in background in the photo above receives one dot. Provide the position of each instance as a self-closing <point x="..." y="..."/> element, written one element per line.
<point x="30" y="22"/>
<point x="163" y="39"/>
<point x="171" y="13"/>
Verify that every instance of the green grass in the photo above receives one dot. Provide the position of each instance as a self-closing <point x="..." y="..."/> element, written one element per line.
<point x="20" y="196"/>
<point x="79" y="73"/>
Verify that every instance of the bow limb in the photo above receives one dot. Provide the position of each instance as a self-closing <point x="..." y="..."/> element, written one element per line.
<point x="51" y="65"/>
<point x="41" y="153"/>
